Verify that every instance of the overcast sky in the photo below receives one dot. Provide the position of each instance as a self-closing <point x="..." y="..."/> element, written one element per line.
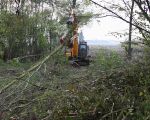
<point x="101" y="30"/>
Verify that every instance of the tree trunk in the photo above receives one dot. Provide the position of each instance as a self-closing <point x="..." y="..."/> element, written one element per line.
<point x="130" y="32"/>
<point x="50" y="40"/>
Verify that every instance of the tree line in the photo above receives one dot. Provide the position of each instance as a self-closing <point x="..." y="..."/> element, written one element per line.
<point x="33" y="27"/>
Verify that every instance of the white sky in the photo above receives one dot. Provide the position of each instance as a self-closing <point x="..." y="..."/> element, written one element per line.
<point x="101" y="30"/>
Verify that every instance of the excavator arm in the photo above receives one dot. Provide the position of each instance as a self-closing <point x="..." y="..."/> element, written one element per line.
<point x="71" y="38"/>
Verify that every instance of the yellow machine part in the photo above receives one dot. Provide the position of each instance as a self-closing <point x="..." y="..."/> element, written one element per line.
<point x="68" y="54"/>
<point x="74" y="50"/>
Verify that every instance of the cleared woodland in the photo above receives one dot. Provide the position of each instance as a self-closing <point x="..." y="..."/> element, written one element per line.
<point x="37" y="81"/>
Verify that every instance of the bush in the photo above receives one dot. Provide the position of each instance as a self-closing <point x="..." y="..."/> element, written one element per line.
<point x="15" y="62"/>
<point x="108" y="59"/>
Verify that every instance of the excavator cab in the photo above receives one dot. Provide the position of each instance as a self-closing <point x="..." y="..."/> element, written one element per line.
<point x="83" y="51"/>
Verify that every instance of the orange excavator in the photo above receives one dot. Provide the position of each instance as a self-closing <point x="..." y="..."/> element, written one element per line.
<point x="76" y="50"/>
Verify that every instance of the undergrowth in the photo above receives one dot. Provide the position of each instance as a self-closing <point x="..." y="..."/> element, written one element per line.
<point x="109" y="89"/>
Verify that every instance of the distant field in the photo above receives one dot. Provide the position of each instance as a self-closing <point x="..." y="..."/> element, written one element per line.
<point x="94" y="49"/>
<point x="137" y="50"/>
<point x="103" y="42"/>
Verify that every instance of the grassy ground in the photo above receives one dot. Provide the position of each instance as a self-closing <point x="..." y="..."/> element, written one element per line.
<point x="110" y="88"/>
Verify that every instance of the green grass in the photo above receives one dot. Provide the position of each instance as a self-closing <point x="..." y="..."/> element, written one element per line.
<point x="108" y="59"/>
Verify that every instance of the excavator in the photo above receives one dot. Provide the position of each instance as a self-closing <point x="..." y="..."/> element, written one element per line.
<point x="76" y="50"/>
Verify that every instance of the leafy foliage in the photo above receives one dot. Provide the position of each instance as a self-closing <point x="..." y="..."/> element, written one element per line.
<point x="36" y="30"/>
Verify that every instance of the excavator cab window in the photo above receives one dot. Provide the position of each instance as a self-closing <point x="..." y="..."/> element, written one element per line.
<point x="83" y="50"/>
<point x="83" y="46"/>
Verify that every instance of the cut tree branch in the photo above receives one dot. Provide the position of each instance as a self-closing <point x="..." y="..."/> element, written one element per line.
<point x="36" y="66"/>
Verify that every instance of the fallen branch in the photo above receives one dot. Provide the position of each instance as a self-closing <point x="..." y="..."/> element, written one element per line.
<point x="40" y="63"/>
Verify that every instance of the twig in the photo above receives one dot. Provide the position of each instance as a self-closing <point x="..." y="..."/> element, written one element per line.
<point x="119" y="116"/>
<point x="28" y="79"/>
<point x="112" y="111"/>
<point x="147" y="118"/>
<point x="104" y="116"/>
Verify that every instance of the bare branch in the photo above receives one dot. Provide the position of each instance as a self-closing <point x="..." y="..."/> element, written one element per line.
<point x="118" y="16"/>
<point x="142" y="10"/>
